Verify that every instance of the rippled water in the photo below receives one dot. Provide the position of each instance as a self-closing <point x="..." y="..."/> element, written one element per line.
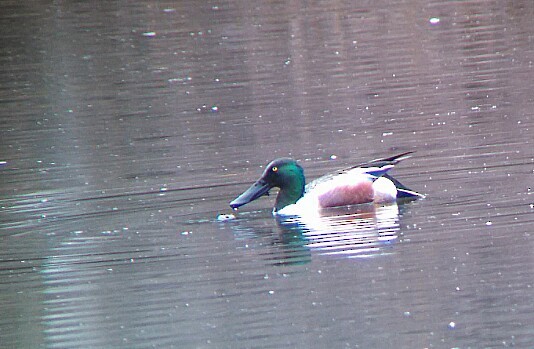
<point x="125" y="130"/>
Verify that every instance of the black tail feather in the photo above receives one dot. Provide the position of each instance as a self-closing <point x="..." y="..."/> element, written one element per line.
<point x="402" y="190"/>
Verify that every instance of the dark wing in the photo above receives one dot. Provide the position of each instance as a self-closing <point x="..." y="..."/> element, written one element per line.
<point x="385" y="163"/>
<point x="393" y="160"/>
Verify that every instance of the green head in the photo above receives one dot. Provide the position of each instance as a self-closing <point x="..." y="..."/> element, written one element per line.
<point x="283" y="173"/>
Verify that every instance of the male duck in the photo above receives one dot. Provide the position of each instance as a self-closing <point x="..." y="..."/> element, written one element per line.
<point x="364" y="183"/>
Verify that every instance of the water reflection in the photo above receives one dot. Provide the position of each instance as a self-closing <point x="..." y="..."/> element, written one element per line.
<point x="360" y="231"/>
<point x="117" y="147"/>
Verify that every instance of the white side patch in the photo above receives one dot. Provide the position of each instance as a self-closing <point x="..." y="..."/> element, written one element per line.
<point x="385" y="191"/>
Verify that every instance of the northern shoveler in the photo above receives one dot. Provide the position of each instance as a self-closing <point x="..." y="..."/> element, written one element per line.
<point x="364" y="183"/>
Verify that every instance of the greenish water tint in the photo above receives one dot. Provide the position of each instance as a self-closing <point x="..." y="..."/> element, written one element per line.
<point x="126" y="130"/>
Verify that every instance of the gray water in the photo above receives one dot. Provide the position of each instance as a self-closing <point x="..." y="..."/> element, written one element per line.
<point x="127" y="127"/>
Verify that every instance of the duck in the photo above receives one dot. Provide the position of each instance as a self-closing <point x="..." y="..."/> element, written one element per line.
<point x="368" y="182"/>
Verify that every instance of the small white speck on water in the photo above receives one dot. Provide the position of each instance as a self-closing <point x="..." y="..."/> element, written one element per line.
<point x="149" y="34"/>
<point x="488" y="223"/>
<point x="451" y="325"/>
<point x="225" y="217"/>
<point x="434" y="20"/>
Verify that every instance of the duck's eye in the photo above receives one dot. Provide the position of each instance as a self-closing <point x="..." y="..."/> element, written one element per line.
<point x="274" y="169"/>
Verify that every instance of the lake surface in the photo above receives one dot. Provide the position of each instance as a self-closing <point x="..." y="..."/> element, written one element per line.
<point x="127" y="128"/>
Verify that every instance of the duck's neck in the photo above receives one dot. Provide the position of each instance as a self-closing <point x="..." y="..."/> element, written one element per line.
<point x="290" y="192"/>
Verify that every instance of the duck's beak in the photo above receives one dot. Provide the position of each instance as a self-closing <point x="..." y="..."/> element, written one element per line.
<point x="256" y="190"/>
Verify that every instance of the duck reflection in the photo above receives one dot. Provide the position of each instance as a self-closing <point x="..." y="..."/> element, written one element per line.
<point x="364" y="231"/>
<point x="361" y="231"/>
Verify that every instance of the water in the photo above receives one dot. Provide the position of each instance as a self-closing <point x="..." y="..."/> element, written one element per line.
<point x="127" y="128"/>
